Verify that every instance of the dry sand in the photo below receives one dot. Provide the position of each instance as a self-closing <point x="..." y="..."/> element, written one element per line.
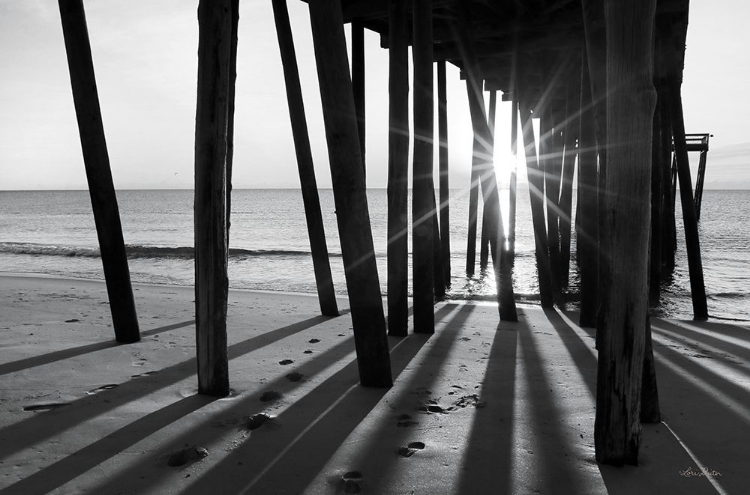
<point x="480" y="407"/>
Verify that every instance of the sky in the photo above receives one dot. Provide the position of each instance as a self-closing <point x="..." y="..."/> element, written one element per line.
<point x="145" y="58"/>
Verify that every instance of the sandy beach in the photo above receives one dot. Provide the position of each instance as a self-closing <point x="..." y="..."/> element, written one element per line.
<point x="479" y="407"/>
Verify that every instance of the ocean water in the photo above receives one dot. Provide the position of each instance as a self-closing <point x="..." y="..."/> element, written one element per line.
<point x="52" y="232"/>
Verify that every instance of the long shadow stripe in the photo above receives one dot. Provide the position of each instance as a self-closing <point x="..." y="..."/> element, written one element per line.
<point x="51" y="357"/>
<point x="43" y="425"/>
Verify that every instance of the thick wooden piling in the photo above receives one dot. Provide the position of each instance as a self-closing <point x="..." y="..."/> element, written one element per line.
<point x="485" y="170"/>
<point x="485" y="241"/>
<point x="398" y="167"/>
<point x="310" y="198"/>
<point x="445" y="242"/>
<point x="551" y="158"/>
<point x="536" y="196"/>
<point x="358" y="82"/>
<point x="471" y="239"/>
<point x="437" y="256"/>
<point x="211" y="127"/>
<point x="513" y="179"/>
<point x="98" y="172"/>
<point x="668" y="226"/>
<point x="587" y="218"/>
<point x="230" y="112"/>
<point x="690" y="220"/>
<point x="657" y="194"/>
<point x="571" y="131"/>
<point x="350" y="198"/>
<point x="631" y="100"/>
<point x="593" y="23"/>
<point x="423" y="279"/>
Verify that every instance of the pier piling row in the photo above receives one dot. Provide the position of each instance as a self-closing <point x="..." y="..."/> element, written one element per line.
<point x="577" y="66"/>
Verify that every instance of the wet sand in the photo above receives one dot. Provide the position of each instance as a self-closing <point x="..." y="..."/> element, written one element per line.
<point x="479" y="407"/>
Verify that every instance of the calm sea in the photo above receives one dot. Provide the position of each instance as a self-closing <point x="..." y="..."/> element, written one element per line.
<point x="52" y="232"/>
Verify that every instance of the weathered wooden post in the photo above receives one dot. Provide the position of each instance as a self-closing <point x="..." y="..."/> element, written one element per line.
<point x="358" y="81"/>
<point x="513" y="178"/>
<point x="485" y="169"/>
<point x="398" y="167"/>
<point x="536" y="196"/>
<point x="98" y="172"/>
<point x="657" y="193"/>
<point x="551" y="156"/>
<point x="230" y="111"/>
<point x="631" y="100"/>
<point x="310" y="199"/>
<point x="593" y="23"/>
<point x="570" y="134"/>
<point x="350" y="198"/>
<point x="211" y="248"/>
<point x="445" y="242"/>
<point x="485" y="240"/>
<point x="422" y="182"/>
<point x="587" y="218"/>
<point x="690" y="221"/>
<point x="668" y="227"/>
<point x="437" y="256"/>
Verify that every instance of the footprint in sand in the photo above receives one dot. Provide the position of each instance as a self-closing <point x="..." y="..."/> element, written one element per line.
<point x="405" y="421"/>
<point x="109" y="386"/>
<point x="308" y="351"/>
<point x="351" y="480"/>
<point x="255" y="421"/>
<point x="294" y="376"/>
<point x="432" y="406"/>
<point x="314" y="341"/>
<point x="270" y="395"/>
<point x="186" y="455"/>
<point x="411" y="449"/>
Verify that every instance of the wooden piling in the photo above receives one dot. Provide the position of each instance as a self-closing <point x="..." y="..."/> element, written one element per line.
<point x="596" y="43"/>
<point x="445" y="243"/>
<point x="552" y="159"/>
<point x="657" y="194"/>
<point x="230" y="112"/>
<point x="398" y="167"/>
<point x="690" y="220"/>
<point x="98" y="172"/>
<point x="422" y="182"/>
<point x="310" y="198"/>
<point x="485" y="241"/>
<point x="485" y="170"/>
<point x="631" y="100"/>
<point x="668" y="225"/>
<point x="513" y="179"/>
<point x="536" y="195"/>
<point x="358" y="82"/>
<point x="437" y="256"/>
<point x="350" y="198"/>
<point x="471" y="239"/>
<point x="571" y="131"/>
<point x="587" y="219"/>
<point x="211" y="249"/>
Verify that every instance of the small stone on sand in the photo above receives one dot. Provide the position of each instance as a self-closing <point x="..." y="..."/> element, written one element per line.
<point x="285" y="362"/>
